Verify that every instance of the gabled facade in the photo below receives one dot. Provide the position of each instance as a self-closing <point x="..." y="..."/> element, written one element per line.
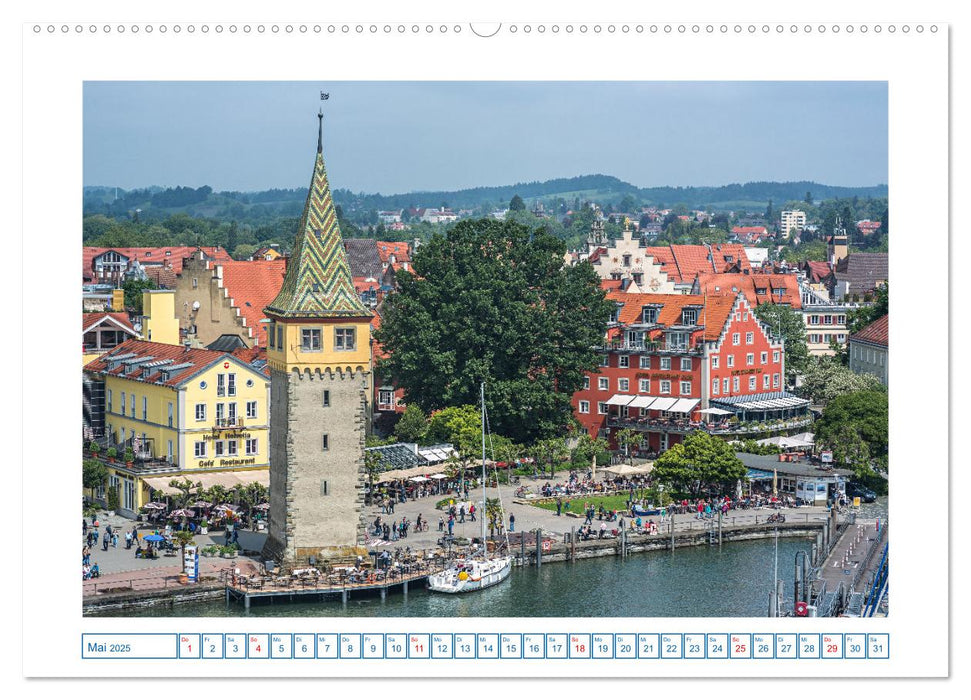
<point x="672" y="364"/>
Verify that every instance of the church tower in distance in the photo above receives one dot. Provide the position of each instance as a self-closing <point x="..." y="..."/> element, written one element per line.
<point x="319" y="354"/>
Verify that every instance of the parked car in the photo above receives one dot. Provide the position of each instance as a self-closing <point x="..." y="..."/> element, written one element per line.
<point x="858" y="490"/>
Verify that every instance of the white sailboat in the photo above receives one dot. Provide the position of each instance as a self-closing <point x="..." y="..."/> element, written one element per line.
<point x="474" y="573"/>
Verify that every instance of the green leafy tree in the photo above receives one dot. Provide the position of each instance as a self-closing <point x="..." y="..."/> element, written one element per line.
<point x="858" y="319"/>
<point x="784" y="321"/>
<point x="412" y="426"/>
<point x="183" y="538"/>
<point x="133" y="292"/>
<point x="551" y="452"/>
<point x="587" y="448"/>
<point x="372" y="465"/>
<point x="701" y="464"/>
<point x="492" y="301"/>
<point x="856" y="428"/>
<point x="627" y="439"/>
<point x="94" y="474"/>
<point x="186" y="486"/>
<point x="826" y="379"/>
<point x="517" y="204"/>
<point x="244" y="251"/>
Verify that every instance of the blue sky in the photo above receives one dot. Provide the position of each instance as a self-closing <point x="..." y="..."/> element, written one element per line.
<point x="408" y="136"/>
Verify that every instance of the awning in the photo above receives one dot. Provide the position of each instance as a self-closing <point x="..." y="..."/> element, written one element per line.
<point x="758" y="475"/>
<point x="715" y="412"/>
<point x="620" y="399"/>
<point x="254" y="476"/>
<point x="161" y="484"/>
<point x="641" y="402"/>
<point x="768" y="404"/>
<point x="663" y="404"/>
<point x="683" y="405"/>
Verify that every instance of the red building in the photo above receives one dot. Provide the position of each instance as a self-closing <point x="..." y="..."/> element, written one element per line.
<point x="677" y="363"/>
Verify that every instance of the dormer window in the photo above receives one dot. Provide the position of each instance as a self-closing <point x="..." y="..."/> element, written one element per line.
<point x="615" y="314"/>
<point x="689" y="317"/>
<point x="649" y="314"/>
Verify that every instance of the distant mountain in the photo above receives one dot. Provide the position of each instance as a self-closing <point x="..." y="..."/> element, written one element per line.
<point x="157" y="202"/>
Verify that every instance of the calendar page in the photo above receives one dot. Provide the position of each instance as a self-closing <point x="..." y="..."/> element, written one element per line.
<point x="485" y="344"/>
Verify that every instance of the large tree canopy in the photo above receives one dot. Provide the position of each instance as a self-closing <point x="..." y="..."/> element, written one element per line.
<point x="856" y="427"/>
<point x="492" y="301"/>
<point x="826" y="378"/>
<point x="700" y="465"/>
<point x="787" y="322"/>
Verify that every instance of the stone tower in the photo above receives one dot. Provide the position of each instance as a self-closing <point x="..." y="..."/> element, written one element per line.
<point x="319" y="354"/>
<point x="838" y="244"/>
<point x="598" y="234"/>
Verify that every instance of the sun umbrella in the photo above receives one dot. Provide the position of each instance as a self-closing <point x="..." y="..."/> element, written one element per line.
<point x="153" y="538"/>
<point x="439" y="476"/>
<point x="155" y="506"/>
<point x="263" y="506"/>
<point x="182" y="513"/>
<point x="201" y="504"/>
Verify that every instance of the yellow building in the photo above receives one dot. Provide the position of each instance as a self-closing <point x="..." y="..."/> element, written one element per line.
<point x="179" y="412"/>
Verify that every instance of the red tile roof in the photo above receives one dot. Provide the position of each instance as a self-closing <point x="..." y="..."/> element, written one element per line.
<point x="252" y="285"/>
<point x="89" y="321"/>
<point x="713" y="315"/>
<point x="164" y="276"/>
<point x="760" y="230"/>
<point x="398" y="249"/>
<point x="197" y="359"/>
<point x="817" y="271"/>
<point x="682" y="263"/>
<point x="877" y="333"/>
<point x="779" y="289"/>
<point x="251" y="355"/>
<point x="173" y="255"/>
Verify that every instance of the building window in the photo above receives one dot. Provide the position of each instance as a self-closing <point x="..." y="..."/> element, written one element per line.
<point x="841" y="337"/>
<point x="725" y="385"/>
<point x="325" y="443"/>
<point x="645" y="386"/>
<point x="649" y="315"/>
<point x="231" y="384"/>
<point x="108" y="401"/>
<point x="170" y="452"/>
<point x="220" y="385"/>
<point x="279" y="337"/>
<point x="201" y="411"/>
<point x="814" y="320"/>
<point x="645" y="362"/>
<point x="765" y="381"/>
<point x="252" y="446"/>
<point x="749" y="338"/>
<point x="195" y="282"/>
<point x="602" y="408"/>
<point x="310" y="340"/>
<point x="220" y="448"/>
<point x="171" y="413"/>
<point x="714" y="361"/>
<point x="841" y="320"/>
<point x="251" y="409"/>
<point x="220" y="412"/>
<point x="326" y="398"/>
<point x="736" y="338"/>
<point x="603" y="384"/>
<point x="200" y="449"/>
<point x="131" y="404"/>
<point x="734" y="383"/>
<point x="685" y="364"/>
<point x="623" y="361"/>
<point x="665" y="386"/>
<point x="623" y="385"/>
<point x="714" y="386"/>
<point x="827" y="320"/>
<point x="665" y="363"/>
<point x="775" y="381"/>
<point x="763" y="358"/>
<point x="344" y="339"/>
<point x="586" y="382"/>
<point x="685" y="388"/>
<point x="584" y="407"/>
<point x="751" y="383"/>
<point x="231" y="448"/>
<point x="730" y="361"/>
<point x="626" y="260"/>
<point x="605" y="361"/>
<point x="775" y="355"/>
<point x="144" y="408"/>
<point x="124" y="396"/>
<point x="271" y="334"/>
<point x="750" y="358"/>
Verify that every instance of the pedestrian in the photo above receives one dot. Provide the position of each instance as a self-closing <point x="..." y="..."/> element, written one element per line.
<point x="128" y="540"/>
<point x="559" y="506"/>
<point x="462" y="514"/>
<point x="114" y="540"/>
<point x="90" y="538"/>
<point x="472" y="512"/>
<point x="96" y="537"/>
<point x="104" y="543"/>
<point x="451" y="524"/>
<point x="85" y="556"/>
<point x="84" y="527"/>
<point x="235" y="535"/>
<point x="229" y="534"/>
<point x="108" y="530"/>
<point x="441" y="524"/>
<point x="512" y="523"/>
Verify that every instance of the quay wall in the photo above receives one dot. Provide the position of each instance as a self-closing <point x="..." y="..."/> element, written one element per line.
<point x="193" y="593"/>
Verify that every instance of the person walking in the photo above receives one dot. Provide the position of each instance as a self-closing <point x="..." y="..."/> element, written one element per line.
<point x="472" y="512"/>
<point x="128" y="540"/>
<point x="451" y="524"/>
<point x="512" y="523"/>
<point x="462" y="513"/>
<point x="84" y="527"/>
<point x="104" y="543"/>
<point x="441" y="524"/>
<point x="114" y="540"/>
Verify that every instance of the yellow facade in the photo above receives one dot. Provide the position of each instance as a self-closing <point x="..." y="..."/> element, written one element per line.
<point x="160" y="324"/>
<point x="301" y="350"/>
<point x="206" y="424"/>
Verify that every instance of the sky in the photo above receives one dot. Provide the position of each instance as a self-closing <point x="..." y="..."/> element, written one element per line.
<point x="398" y="137"/>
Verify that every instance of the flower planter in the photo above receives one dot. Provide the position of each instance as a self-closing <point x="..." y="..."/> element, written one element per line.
<point x="261" y="526"/>
<point x="204" y="530"/>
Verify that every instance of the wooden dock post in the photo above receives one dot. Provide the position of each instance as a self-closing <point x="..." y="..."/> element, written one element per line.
<point x="344" y="597"/>
<point x="672" y="531"/>
<point x="384" y="593"/>
<point x="539" y="547"/>
<point x="719" y="527"/>
<point x="246" y="602"/>
<point x="623" y="541"/>
<point x="573" y="543"/>
<point x="404" y="588"/>
<point x="522" y="549"/>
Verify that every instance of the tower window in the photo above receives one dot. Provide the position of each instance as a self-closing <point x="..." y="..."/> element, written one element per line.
<point x="310" y="340"/>
<point x="325" y="443"/>
<point x="344" y="339"/>
<point x="326" y="399"/>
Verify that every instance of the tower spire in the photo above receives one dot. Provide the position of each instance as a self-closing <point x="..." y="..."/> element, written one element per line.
<point x="320" y="130"/>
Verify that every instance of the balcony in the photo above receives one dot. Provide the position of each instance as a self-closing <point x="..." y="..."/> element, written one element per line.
<point x="651" y="346"/>
<point x="227" y="423"/>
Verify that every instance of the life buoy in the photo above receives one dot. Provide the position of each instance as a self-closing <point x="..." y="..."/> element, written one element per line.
<point x="463" y="575"/>
<point x="802" y="609"/>
<point x="547" y="545"/>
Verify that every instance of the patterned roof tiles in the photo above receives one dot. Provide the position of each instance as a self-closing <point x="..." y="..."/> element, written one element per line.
<point x="318" y="279"/>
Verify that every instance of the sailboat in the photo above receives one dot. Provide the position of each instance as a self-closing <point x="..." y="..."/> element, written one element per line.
<point x="474" y="573"/>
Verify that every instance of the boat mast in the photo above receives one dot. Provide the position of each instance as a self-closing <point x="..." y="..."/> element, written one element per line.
<point x="482" y="515"/>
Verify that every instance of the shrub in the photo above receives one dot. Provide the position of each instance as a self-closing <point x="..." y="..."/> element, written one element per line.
<point x="94" y="447"/>
<point x="112" y="453"/>
<point x="114" y="502"/>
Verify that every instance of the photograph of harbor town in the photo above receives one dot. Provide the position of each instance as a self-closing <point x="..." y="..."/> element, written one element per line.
<point x="607" y="350"/>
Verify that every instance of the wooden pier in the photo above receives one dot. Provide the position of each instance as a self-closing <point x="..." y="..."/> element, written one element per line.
<point x="297" y="588"/>
<point x="849" y="562"/>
